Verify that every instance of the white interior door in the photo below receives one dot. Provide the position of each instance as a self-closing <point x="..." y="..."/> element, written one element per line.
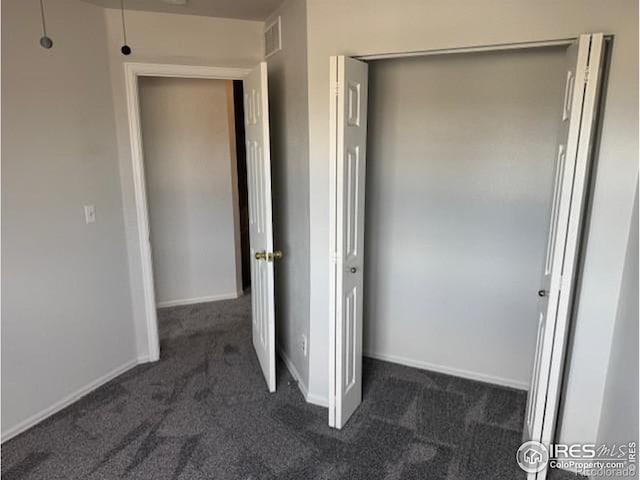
<point x="256" y="111"/>
<point x="348" y="146"/>
<point x="574" y="146"/>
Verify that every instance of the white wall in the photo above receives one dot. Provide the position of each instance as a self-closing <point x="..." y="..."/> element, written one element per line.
<point x="66" y="306"/>
<point x="361" y="27"/>
<point x="290" y="180"/>
<point x="460" y="158"/>
<point x="619" y="420"/>
<point x="191" y="188"/>
<point x="167" y="38"/>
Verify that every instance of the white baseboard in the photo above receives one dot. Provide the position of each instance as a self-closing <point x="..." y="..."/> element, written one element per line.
<point x="192" y="301"/>
<point x="504" y="382"/>
<point x="317" y="400"/>
<point x="146" y="359"/>
<point x="293" y="371"/>
<point x="66" y="401"/>
<point x="304" y="389"/>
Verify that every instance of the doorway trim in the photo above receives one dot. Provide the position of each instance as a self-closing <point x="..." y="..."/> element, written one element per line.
<point x="132" y="71"/>
<point x="494" y="47"/>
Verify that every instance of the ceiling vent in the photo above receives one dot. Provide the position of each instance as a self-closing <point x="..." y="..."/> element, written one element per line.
<point x="272" y="38"/>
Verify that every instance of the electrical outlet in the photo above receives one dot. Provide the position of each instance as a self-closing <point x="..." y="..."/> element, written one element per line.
<point x="303" y="345"/>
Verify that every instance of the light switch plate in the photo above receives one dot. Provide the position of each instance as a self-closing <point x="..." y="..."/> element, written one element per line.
<point x="89" y="214"/>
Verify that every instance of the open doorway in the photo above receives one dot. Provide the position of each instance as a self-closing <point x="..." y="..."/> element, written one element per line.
<point x="209" y="113"/>
<point x="477" y="197"/>
<point x="193" y="183"/>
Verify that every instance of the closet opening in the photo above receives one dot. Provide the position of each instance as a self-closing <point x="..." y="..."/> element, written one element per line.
<point x="461" y="153"/>
<point x="458" y="183"/>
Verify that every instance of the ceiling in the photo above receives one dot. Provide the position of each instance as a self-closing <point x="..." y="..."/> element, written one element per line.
<point x="244" y="9"/>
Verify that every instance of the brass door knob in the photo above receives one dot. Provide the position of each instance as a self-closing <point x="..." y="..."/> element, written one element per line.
<point x="271" y="256"/>
<point x="261" y="255"/>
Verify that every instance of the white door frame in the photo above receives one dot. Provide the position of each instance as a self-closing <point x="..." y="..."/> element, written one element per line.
<point x="494" y="47"/>
<point x="560" y="360"/>
<point x="131" y="72"/>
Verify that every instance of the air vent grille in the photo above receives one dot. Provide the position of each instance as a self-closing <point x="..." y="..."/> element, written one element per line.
<point x="272" y="38"/>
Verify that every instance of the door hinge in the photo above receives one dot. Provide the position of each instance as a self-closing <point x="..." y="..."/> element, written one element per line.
<point x="336" y="88"/>
<point x="586" y="75"/>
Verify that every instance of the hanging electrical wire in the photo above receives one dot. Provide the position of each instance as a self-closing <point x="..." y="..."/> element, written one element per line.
<point x="45" y="40"/>
<point x="126" y="49"/>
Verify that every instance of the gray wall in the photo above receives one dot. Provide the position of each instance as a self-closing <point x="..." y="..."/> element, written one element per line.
<point x="191" y="188"/>
<point x="461" y="151"/>
<point x="72" y="295"/>
<point x="360" y="27"/>
<point x="66" y="307"/>
<point x="290" y="179"/>
<point x="619" y="420"/>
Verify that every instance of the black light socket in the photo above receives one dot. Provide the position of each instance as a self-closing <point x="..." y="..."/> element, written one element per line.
<point x="46" y="42"/>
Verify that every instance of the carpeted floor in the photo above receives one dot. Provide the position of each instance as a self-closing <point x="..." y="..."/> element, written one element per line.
<point x="203" y="412"/>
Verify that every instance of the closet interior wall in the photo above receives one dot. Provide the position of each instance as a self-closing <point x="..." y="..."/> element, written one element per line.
<point x="461" y="152"/>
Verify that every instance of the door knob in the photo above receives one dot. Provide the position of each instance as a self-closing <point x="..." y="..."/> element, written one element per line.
<point x="353" y="270"/>
<point x="543" y="293"/>
<point x="261" y="255"/>
<point x="271" y="256"/>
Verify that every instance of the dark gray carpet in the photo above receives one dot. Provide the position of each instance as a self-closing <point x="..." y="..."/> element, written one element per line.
<point x="203" y="412"/>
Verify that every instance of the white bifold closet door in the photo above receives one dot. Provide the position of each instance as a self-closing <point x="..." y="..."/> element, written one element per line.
<point x="575" y="141"/>
<point x="349" y="155"/>
<point x="348" y="122"/>
<point x="256" y="114"/>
